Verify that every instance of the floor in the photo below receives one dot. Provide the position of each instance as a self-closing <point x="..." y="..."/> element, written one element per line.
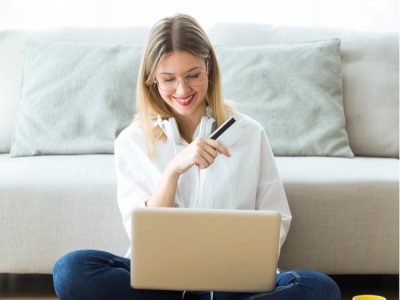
<point x="13" y="287"/>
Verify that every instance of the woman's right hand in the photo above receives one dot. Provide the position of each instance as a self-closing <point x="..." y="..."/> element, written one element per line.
<point x="200" y="152"/>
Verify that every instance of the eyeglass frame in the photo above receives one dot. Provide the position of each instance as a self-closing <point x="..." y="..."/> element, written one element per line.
<point x="183" y="77"/>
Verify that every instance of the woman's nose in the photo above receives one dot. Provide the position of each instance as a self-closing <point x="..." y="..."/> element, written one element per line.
<point x="182" y="87"/>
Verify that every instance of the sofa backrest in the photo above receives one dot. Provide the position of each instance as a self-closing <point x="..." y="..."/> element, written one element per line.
<point x="369" y="64"/>
<point x="370" y="70"/>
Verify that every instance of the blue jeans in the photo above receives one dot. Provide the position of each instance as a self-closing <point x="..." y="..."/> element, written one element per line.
<point x="93" y="274"/>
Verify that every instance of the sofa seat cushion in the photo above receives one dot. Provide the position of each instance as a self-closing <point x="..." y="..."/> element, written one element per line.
<point x="318" y="170"/>
<point x="345" y="214"/>
<point x="50" y="205"/>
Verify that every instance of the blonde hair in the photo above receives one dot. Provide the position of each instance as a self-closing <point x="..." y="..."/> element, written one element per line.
<point x="178" y="33"/>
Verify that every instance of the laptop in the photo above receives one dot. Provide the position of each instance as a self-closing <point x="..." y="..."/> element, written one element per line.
<point x="204" y="249"/>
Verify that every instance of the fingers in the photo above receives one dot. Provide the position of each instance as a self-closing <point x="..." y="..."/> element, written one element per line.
<point x="209" y="158"/>
<point x="202" y="163"/>
<point x="218" y="146"/>
<point x="207" y="151"/>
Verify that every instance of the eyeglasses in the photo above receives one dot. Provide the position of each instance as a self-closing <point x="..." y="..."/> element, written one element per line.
<point x="194" y="78"/>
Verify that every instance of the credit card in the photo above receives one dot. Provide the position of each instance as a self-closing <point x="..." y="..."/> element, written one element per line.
<point x="227" y="133"/>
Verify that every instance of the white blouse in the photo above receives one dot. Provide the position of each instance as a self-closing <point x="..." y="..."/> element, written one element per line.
<point x="248" y="179"/>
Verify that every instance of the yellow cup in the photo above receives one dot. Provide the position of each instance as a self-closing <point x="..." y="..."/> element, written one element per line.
<point x="368" y="297"/>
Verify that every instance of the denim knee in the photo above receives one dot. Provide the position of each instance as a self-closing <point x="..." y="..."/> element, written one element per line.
<point x="66" y="272"/>
<point x="322" y="285"/>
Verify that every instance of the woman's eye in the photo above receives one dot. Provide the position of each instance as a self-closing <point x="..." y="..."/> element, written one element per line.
<point x="193" y="76"/>
<point x="168" y="79"/>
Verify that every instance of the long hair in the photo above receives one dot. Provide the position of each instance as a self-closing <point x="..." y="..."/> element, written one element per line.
<point x="178" y="33"/>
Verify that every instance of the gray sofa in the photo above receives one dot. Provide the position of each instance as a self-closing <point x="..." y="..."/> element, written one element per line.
<point x="345" y="210"/>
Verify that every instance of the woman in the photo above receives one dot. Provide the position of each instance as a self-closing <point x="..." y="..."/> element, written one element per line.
<point x="165" y="159"/>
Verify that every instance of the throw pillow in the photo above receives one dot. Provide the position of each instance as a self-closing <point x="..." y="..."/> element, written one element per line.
<point x="294" y="91"/>
<point x="76" y="97"/>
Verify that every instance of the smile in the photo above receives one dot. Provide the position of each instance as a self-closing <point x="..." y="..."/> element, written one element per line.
<point x="184" y="101"/>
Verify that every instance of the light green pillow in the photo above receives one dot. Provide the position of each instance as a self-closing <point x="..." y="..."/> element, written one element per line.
<point x="294" y="91"/>
<point x="76" y="97"/>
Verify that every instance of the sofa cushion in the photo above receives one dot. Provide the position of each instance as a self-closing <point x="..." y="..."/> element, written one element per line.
<point x="76" y="97"/>
<point x="345" y="214"/>
<point x="50" y="205"/>
<point x="370" y="77"/>
<point x="294" y="91"/>
<point x="12" y="43"/>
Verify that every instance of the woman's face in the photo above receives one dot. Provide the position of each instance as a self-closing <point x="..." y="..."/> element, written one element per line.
<point x="183" y="82"/>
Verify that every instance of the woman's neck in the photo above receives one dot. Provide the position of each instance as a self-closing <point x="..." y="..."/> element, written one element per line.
<point x="188" y="125"/>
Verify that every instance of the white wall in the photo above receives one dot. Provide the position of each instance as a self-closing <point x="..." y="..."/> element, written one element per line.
<point x="378" y="15"/>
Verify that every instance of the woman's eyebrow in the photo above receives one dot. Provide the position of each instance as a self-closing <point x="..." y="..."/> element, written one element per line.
<point x="166" y="73"/>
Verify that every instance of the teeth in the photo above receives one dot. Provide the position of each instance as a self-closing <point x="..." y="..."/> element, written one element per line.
<point x="185" y="100"/>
